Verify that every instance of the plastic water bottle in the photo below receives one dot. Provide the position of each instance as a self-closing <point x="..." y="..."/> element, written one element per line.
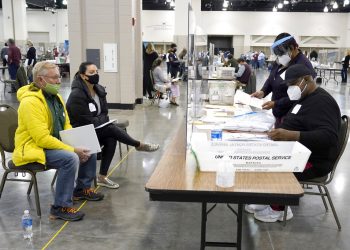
<point x="27" y="225"/>
<point x="216" y="133"/>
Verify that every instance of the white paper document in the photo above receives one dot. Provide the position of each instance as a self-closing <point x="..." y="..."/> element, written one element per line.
<point x="244" y="137"/>
<point x="82" y="137"/>
<point x="244" y="98"/>
<point x="106" y="123"/>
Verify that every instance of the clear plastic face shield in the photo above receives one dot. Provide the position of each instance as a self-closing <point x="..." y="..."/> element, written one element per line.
<point x="280" y="47"/>
<point x="281" y="50"/>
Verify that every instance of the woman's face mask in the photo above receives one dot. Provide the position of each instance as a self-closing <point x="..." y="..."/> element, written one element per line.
<point x="93" y="79"/>
<point x="284" y="60"/>
<point x="294" y="92"/>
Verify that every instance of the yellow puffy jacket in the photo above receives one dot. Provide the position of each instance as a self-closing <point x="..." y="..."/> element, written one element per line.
<point x="35" y="126"/>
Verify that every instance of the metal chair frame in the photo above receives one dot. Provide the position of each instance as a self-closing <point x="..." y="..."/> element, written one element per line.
<point x="322" y="182"/>
<point x="32" y="182"/>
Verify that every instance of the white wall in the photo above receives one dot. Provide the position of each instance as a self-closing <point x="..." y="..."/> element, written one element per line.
<point x="253" y="23"/>
<point x="2" y="38"/>
<point x="269" y="23"/>
<point x="43" y="21"/>
<point x="158" y="26"/>
<point x="348" y="31"/>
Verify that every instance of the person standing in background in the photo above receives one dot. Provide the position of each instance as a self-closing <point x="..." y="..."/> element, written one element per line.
<point x="55" y="52"/>
<point x="31" y="56"/>
<point x="261" y="60"/>
<point x="231" y="62"/>
<point x="4" y="56"/>
<point x="14" y="60"/>
<point x="182" y="55"/>
<point x="149" y="57"/>
<point x="174" y="61"/>
<point x="344" y="71"/>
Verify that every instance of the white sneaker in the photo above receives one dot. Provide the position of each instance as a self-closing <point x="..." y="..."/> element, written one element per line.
<point x="270" y="215"/>
<point x="147" y="147"/>
<point x="105" y="182"/>
<point x="253" y="208"/>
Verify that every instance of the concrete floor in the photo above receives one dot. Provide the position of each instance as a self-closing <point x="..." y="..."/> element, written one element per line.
<point x="126" y="219"/>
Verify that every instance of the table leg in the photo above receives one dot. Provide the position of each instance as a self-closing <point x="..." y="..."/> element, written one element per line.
<point x="203" y="225"/>
<point x="334" y="77"/>
<point x="239" y="226"/>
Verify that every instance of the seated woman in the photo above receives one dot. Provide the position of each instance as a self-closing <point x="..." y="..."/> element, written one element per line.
<point x="87" y="104"/>
<point x="162" y="84"/>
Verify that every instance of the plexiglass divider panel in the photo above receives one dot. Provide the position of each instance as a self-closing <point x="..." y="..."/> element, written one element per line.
<point x="198" y="62"/>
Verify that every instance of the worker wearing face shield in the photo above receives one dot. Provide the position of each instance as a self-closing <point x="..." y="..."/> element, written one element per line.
<point x="288" y="53"/>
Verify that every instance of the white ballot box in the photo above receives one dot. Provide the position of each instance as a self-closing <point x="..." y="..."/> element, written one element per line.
<point x="82" y="137"/>
<point x="225" y="72"/>
<point x="252" y="156"/>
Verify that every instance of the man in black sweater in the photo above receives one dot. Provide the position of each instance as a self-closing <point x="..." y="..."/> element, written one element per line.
<point x="314" y="120"/>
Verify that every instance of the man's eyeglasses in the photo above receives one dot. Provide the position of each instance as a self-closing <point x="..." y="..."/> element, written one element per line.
<point x="54" y="77"/>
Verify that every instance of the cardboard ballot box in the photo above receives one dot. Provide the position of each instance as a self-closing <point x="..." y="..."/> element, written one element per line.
<point x="254" y="156"/>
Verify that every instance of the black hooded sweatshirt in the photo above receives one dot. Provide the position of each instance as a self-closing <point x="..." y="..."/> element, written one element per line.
<point x="79" y="101"/>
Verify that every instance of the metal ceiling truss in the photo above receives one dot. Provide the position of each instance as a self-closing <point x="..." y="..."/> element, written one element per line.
<point x="267" y="5"/>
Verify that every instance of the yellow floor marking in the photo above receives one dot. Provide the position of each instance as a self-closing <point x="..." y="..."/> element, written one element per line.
<point x="82" y="205"/>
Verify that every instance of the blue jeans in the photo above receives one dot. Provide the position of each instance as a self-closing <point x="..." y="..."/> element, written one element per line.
<point x="67" y="163"/>
<point x="344" y="74"/>
<point x="13" y="70"/>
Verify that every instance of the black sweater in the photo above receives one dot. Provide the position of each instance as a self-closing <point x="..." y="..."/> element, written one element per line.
<point x="31" y="56"/>
<point x="78" y="104"/>
<point x="318" y="121"/>
<point x="279" y="91"/>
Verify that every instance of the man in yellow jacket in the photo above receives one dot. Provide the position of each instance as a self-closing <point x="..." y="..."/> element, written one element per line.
<point x="41" y="115"/>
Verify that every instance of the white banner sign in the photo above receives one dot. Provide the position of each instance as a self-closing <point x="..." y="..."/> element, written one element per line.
<point x="256" y="156"/>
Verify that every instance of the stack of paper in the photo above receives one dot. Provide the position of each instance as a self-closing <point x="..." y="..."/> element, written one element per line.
<point x="244" y="98"/>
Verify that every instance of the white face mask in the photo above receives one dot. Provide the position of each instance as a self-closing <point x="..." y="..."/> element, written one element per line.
<point x="294" y="92"/>
<point x="284" y="60"/>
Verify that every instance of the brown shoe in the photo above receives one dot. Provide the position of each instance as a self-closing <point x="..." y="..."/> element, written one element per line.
<point x="87" y="194"/>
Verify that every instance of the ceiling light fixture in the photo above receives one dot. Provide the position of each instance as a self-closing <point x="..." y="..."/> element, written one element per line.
<point x="168" y="1"/>
<point x="225" y="4"/>
<point x="346" y="2"/>
<point x="224" y="9"/>
<point x="335" y="5"/>
<point x="325" y="9"/>
<point x="274" y="9"/>
<point x="280" y="5"/>
<point x="172" y="4"/>
<point x="64" y="2"/>
<point x="285" y="2"/>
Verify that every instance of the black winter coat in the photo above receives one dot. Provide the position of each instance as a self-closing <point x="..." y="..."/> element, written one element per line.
<point x="79" y="101"/>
